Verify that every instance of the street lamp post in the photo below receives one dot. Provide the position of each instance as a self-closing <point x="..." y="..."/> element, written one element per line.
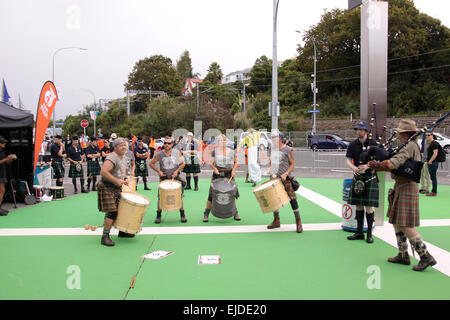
<point x="53" y="78"/>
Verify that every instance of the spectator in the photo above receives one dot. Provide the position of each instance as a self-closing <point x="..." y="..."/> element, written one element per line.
<point x="432" y="153"/>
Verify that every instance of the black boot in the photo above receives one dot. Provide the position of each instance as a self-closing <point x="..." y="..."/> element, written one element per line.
<point x="206" y="215"/>
<point x="125" y="235"/>
<point x="188" y="182"/>
<point x="370" y="217"/>
<point x="83" y="190"/>
<point x="158" y="217"/>
<point x="106" y="240"/>
<point x="75" y="190"/>
<point x="196" y="183"/>
<point x="183" y="217"/>
<point x="145" y="184"/>
<point x="400" y="259"/>
<point x="359" y="235"/>
<point x="94" y="181"/>
<point x="3" y="212"/>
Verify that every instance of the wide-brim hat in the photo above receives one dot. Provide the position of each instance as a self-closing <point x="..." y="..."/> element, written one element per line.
<point x="406" y="125"/>
<point x="113" y="136"/>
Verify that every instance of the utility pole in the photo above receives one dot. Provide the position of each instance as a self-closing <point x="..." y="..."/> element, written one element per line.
<point x="198" y="96"/>
<point x="274" y="106"/>
<point x="314" y="89"/>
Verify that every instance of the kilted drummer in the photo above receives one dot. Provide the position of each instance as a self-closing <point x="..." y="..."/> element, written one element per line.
<point x="403" y="210"/>
<point x="364" y="190"/>
<point x="75" y="156"/>
<point x="93" y="155"/>
<point x="109" y="187"/>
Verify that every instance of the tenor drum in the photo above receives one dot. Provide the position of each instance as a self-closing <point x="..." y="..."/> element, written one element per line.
<point x="223" y="204"/>
<point x="271" y="195"/>
<point x="131" y="187"/>
<point x="131" y="212"/>
<point x="57" y="193"/>
<point x="38" y="192"/>
<point x="170" y="195"/>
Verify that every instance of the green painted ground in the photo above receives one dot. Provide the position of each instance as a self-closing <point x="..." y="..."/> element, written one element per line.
<point x="277" y="265"/>
<point x="78" y="210"/>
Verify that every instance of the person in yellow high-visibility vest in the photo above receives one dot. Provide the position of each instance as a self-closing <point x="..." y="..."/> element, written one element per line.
<point x="252" y="142"/>
<point x="152" y="146"/>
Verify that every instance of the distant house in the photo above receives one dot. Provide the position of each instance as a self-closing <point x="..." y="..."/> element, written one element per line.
<point x="242" y="75"/>
<point x="190" y="84"/>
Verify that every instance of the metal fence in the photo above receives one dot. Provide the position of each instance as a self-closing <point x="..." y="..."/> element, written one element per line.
<point x="335" y="160"/>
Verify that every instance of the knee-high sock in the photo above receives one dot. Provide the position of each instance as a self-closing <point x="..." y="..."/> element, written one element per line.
<point x="418" y="245"/>
<point x="74" y="181"/>
<point x="145" y="181"/>
<point x="360" y="220"/>
<point x="196" y="181"/>
<point x="188" y="180"/>
<point x="401" y="243"/>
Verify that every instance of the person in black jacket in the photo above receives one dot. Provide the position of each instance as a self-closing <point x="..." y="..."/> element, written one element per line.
<point x="75" y="156"/>
<point x="4" y="160"/>
<point x="432" y="153"/>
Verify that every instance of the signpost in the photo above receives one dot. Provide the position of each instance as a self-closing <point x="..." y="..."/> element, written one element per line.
<point x="84" y="124"/>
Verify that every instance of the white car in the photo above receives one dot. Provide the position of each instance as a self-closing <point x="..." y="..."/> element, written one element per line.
<point x="264" y="139"/>
<point x="443" y="140"/>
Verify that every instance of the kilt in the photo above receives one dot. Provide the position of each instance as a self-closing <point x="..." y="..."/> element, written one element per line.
<point x="93" y="168"/>
<point x="73" y="173"/>
<point x="58" y="170"/>
<point x="227" y="174"/>
<point x="403" y="209"/>
<point x="138" y="172"/>
<point x="191" y="168"/>
<point x="370" y="195"/>
<point x="108" y="196"/>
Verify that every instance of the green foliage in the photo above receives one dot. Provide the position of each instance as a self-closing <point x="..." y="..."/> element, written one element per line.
<point x="155" y="73"/>
<point x="261" y="76"/>
<point x="184" y="66"/>
<point x="215" y="73"/>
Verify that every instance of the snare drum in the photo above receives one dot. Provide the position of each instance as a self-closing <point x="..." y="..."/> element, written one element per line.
<point x="38" y="192"/>
<point x="131" y="212"/>
<point x="170" y="195"/>
<point x="131" y="187"/>
<point x="57" y="193"/>
<point x="271" y="195"/>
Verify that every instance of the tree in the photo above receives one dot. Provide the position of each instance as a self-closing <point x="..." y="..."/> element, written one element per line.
<point x="184" y="66"/>
<point x="155" y="73"/>
<point x="215" y="73"/>
<point x="261" y="76"/>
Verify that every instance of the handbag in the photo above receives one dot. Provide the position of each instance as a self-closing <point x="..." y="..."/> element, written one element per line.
<point x="295" y="184"/>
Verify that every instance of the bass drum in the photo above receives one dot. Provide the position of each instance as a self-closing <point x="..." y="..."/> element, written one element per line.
<point x="224" y="194"/>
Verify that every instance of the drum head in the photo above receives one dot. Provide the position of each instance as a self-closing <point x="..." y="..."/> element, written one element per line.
<point x="266" y="184"/>
<point x="170" y="184"/>
<point x="135" y="198"/>
<point x="222" y="185"/>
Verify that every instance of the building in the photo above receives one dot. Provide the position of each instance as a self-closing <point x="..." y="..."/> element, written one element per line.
<point x="190" y="84"/>
<point x="243" y="75"/>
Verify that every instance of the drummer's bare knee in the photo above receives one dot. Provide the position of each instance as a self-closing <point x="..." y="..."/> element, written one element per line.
<point x="359" y="208"/>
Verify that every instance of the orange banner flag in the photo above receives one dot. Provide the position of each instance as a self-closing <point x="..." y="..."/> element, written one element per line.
<point x="46" y="105"/>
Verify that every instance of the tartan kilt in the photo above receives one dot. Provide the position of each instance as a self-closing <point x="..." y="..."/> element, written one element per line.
<point x="403" y="209"/>
<point x="58" y="170"/>
<point x="191" y="168"/>
<point x="371" y="193"/>
<point x="93" y="168"/>
<point x="138" y="172"/>
<point x="73" y="173"/>
<point x="108" y="196"/>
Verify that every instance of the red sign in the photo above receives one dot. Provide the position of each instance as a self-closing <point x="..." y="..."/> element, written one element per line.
<point x="347" y="212"/>
<point x="84" y="123"/>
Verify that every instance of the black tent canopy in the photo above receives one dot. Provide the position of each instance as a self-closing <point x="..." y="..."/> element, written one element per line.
<point x="16" y="126"/>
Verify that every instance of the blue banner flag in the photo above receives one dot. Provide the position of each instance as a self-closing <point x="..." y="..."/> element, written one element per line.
<point x="5" y="94"/>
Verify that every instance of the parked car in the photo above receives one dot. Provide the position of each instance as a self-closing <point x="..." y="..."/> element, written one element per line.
<point x="443" y="140"/>
<point x="327" y="141"/>
<point x="230" y="144"/>
<point x="264" y="139"/>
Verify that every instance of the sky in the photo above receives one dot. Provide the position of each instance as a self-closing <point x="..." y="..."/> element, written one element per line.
<point x="118" y="33"/>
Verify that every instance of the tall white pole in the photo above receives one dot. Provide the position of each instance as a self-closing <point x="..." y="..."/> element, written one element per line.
<point x="315" y="89"/>
<point x="274" y="108"/>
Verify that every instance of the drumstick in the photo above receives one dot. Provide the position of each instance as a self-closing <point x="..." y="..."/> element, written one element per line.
<point x="230" y="180"/>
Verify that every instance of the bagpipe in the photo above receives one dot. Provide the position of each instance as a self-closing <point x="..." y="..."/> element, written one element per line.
<point x="411" y="169"/>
